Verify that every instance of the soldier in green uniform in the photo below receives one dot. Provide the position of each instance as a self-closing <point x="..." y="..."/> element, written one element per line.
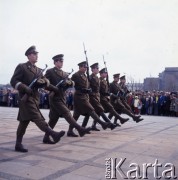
<point x="105" y="96"/>
<point x="125" y="92"/>
<point x="23" y="75"/>
<point x="82" y="104"/>
<point x="116" y="94"/>
<point x="94" y="97"/>
<point x="57" y="100"/>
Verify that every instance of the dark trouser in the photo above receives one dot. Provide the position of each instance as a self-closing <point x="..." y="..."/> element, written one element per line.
<point x="41" y="124"/>
<point x="92" y="114"/>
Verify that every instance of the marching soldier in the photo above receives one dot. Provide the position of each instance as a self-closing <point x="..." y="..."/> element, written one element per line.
<point x="125" y="92"/>
<point x="23" y="76"/>
<point x="94" y="97"/>
<point x="58" y="107"/>
<point x="117" y="92"/>
<point x="105" y="97"/>
<point x="82" y="105"/>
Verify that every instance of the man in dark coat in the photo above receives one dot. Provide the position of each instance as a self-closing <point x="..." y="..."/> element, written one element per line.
<point x="82" y="105"/>
<point x="116" y="93"/>
<point x="57" y="100"/>
<point x="23" y="75"/>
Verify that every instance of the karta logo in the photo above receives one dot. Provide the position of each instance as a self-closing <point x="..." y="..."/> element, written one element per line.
<point x="114" y="169"/>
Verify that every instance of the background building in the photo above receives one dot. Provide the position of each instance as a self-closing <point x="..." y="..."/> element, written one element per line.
<point x="167" y="81"/>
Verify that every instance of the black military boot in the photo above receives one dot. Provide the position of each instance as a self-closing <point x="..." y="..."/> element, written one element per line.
<point x="111" y="125"/>
<point x="85" y="122"/>
<point x="73" y="124"/>
<point x="98" y="120"/>
<point x="122" y="120"/>
<point x="115" y="122"/>
<point x="82" y="131"/>
<point x="70" y="132"/>
<point x="47" y="140"/>
<point x="55" y="135"/>
<point x="93" y="127"/>
<point x="18" y="146"/>
<point x="137" y="119"/>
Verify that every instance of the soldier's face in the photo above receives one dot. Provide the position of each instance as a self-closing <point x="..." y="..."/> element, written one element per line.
<point x="95" y="70"/>
<point x="33" y="57"/>
<point x="116" y="79"/>
<point x="83" y="69"/>
<point x="104" y="75"/>
<point x="123" y="80"/>
<point x="59" y="64"/>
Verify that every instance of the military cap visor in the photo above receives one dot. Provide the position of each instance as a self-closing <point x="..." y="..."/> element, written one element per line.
<point x="31" y="50"/>
<point x="104" y="70"/>
<point x="122" y="77"/>
<point x="83" y="64"/>
<point x="116" y="75"/>
<point x="58" y="57"/>
<point x="95" y="65"/>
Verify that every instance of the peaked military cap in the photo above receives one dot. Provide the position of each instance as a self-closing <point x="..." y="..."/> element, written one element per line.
<point x="58" y="57"/>
<point x="82" y="64"/>
<point x="116" y="75"/>
<point x="31" y="50"/>
<point x="104" y="70"/>
<point x="122" y="77"/>
<point x="95" y="65"/>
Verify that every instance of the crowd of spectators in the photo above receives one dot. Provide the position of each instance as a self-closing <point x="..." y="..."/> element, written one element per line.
<point x="154" y="103"/>
<point x="9" y="98"/>
<point x="145" y="103"/>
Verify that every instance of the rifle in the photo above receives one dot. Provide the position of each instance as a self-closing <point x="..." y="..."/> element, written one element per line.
<point x="65" y="78"/>
<point x="85" y="52"/>
<point x="62" y="81"/>
<point x="121" y="94"/>
<point x="107" y="78"/>
<point x="25" y="97"/>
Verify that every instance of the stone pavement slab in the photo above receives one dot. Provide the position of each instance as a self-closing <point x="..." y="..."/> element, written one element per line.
<point x="84" y="158"/>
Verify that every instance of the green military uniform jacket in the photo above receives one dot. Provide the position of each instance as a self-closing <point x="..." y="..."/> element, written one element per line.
<point x="25" y="73"/>
<point x="58" y="100"/>
<point x="81" y="99"/>
<point x="123" y="99"/>
<point x="116" y="101"/>
<point x="114" y="89"/>
<point x="104" y="95"/>
<point x="95" y="95"/>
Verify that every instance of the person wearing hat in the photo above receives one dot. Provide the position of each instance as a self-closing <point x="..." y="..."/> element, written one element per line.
<point x="105" y="97"/>
<point x="125" y="91"/>
<point x="82" y="105"/>
<point x="116" y="95"/>
<point x="57" y="101"/>
<point x="29" y="111"/>
<point x="94" y="97"/>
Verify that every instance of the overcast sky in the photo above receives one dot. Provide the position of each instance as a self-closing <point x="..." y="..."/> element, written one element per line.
<point x="136" y="37"/>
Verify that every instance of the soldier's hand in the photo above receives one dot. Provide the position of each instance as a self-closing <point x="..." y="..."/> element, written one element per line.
<point x="53" y="89"/>
<point x="66" y="83"/>
<point x="25" y="89"/>
<point x="47" y="81"/>
<point x="40" y="83"/>
<point x="28" y="90"/>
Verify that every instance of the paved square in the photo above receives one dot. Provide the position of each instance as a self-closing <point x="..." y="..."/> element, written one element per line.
<point x="84" y="158"/>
